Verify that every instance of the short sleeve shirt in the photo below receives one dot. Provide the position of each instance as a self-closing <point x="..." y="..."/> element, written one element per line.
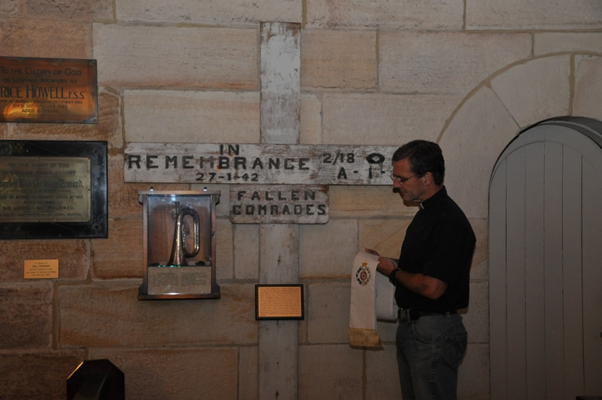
<point x="439" y="242"/>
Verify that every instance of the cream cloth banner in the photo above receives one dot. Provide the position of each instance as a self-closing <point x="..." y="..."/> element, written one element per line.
<point x="372" y="298"/>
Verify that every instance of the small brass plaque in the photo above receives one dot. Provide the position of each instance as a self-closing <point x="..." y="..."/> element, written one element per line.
<point x="48" y="90"/>
<point x="45" y="189"/>
<point x="41" y="269"/>
<point x="279" y="302"/>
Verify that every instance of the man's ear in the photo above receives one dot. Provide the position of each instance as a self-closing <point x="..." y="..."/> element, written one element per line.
<point x="428" y="178"/>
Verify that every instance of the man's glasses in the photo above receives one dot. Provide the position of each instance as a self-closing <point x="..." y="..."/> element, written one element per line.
<point x="400" y="179"/>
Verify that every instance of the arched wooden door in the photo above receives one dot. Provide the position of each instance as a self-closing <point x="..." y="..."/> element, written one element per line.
<point x="545" y="263"/>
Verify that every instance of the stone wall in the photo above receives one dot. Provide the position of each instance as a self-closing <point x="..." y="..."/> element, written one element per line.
<point x="466" y="73"/>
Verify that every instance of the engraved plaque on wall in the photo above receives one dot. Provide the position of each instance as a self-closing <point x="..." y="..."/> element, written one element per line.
<point x="278" y="204"/>
<point x="254" y="164"/>
<point x="48" y="90"/>
<point x="53" y="189"/>
<point x="279" y="301"/>
<point x="166" y="280"/>
<point x="45" y="189"/>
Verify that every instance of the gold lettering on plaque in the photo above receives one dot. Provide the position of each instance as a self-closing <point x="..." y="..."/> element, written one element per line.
<point x="45" y="189"/>
<point x="40" y="269"/>
<point x="48" y="90"/>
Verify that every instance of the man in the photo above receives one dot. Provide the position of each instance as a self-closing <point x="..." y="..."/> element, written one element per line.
<point x="431" y="276"/>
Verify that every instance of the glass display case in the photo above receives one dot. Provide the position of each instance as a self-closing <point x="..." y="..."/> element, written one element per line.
<point x="179" y="245"/>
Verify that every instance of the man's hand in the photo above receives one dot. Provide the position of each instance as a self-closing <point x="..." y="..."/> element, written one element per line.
<point x="424" y="285"/>
<point x="385" y="265"/>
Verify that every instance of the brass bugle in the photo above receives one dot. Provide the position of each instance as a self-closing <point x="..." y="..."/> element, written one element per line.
<point x="179" y="250"/>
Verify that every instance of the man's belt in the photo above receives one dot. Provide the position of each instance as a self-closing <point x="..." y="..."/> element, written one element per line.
<point x="410" y="314"/>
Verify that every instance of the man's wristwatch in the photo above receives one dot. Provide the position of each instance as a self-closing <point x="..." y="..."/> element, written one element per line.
<point x="393" y="274"/>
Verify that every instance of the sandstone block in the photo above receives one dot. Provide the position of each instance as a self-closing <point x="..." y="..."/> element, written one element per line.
<point x="311" y="120"/>
<point x="451" y="63"/>
<point x="555" y="42"/>
<point x="235" y="12"/>
<point x="108" y="314"/>
<point x="192" y="373"/>
<point x="332" y="261"/>
<point x="39" y="375"/>
<point x="536" y="90"/>
<point x="383" y="118"/>
<point x="26" y="316"/>
<point x="383" y="235"/>
<point x="71" y="253"/>
<point x="171" y="56"/>
<point x="531" y="15"/>
<point x="588" y="86"/>
<point x="330" y="372"/>
<point x="196" y="117"/>
<point x="65" y="9"/>
<point x="68" y="39"/>
<point x="107" y="129"/>
<point x="247" y="373"/>
<point x="11" y="7"/>
<point x="246" y="251"/>
<point x="471" y="144"/>
<point x="403" y="14"/>
<point x="328" y="312"/>
<point x="327" y="60"/>
<point x="121" y="254"/>
<point x="366" y="201"/>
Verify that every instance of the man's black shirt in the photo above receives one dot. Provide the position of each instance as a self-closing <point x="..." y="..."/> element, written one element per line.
<point x="440" y="243"/>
